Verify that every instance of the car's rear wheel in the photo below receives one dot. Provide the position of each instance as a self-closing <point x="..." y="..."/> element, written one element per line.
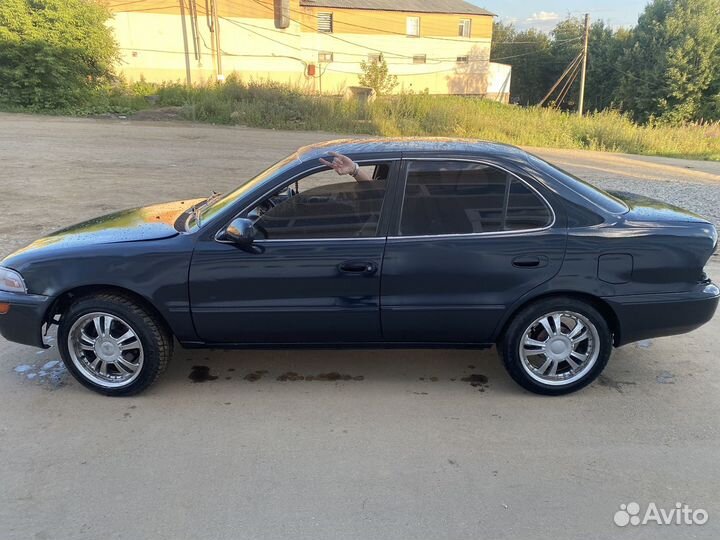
<point x="112" y="345"/>
<point x="556" y="346"/>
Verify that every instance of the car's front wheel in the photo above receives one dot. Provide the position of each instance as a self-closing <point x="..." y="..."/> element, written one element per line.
<point x="556" y="346"/>
<point x="112" y="345"/>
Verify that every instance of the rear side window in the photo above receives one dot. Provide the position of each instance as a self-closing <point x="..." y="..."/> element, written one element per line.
<point x="525" y="209"/>
<point x="454" y="197"/>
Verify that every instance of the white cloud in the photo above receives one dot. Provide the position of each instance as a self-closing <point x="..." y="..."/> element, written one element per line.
<point x="543" y="17"/>
<point x="544" y="21"/>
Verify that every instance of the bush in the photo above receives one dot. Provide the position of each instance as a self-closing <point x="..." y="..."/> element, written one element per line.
<point x="53" y="53"/>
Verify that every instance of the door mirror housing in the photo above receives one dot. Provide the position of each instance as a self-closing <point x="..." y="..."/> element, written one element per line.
<point x="241" y="231"/>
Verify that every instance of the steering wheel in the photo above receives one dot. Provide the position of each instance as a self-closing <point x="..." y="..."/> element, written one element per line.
<point x="267" y="205"/>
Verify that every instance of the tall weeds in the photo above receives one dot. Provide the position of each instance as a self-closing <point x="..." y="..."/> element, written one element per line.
<point x="273" y="105"/>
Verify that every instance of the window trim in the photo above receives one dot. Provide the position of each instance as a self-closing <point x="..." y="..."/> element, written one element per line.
<point x="326" y="54"/>
<point x="468" y="26"/>
<point x="403" y="181"/>
<point x="299" y="176"/>
<point x="330" y="19"/>
<point x="407" y="20"/>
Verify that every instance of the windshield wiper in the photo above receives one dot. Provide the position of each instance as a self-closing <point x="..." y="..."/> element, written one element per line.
<point x="195" y="208"/>
<point x="212" y="198"/>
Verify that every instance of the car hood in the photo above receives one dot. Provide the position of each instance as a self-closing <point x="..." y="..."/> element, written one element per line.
<point x="153" y="222"/>
<point x="643" y="208"/>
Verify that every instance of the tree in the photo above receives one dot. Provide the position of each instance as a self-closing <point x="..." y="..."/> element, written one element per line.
<point x="376" y="76"/>
<point x="529" y="54"/>
<point x="606" y="48"/>
<point x="53" y="52"/>
<point x="672" y="65"/>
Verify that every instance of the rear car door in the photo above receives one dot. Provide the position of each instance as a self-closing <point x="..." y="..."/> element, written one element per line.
<point x="469" y="240"/>
<point x="313" y="273"/>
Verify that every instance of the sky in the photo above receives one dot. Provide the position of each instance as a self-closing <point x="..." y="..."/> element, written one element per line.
<point x="545" y="14"/>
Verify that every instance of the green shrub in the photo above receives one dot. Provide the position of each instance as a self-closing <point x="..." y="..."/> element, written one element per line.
<point x="53" y="53"/>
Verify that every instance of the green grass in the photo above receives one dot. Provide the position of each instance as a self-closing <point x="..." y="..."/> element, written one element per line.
<point x="272" y="105"/>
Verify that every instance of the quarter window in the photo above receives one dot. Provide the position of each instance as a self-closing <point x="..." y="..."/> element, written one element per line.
<point x="456" y="197"/>
<point x="323" y="205"/>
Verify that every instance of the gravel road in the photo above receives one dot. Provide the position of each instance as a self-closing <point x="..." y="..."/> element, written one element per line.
<point x="232" y="445"/>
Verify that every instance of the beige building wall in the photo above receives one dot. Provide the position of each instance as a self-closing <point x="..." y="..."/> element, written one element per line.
<point x="159" y="45"/>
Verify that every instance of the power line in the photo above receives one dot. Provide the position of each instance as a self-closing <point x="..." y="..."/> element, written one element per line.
<point x="565" y="73"/>
<point x="568" y="85"/>
<point x="244" y="25"/>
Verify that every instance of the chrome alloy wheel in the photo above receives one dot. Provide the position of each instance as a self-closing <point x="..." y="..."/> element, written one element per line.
<point x="105" y="349"/>
<point x="559" y="348"/>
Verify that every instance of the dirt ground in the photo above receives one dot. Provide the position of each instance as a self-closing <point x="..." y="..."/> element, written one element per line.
<point x="228" y="445"/>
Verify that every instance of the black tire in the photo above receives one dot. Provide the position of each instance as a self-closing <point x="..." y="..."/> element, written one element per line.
<point x="509" y="344"/>
<point x="157" y="343"/>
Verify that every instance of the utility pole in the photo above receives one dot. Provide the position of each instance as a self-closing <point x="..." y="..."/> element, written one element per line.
<point x="581" y="101"/>
<point x="188" y="78"/>
<point x="216" y="26"/>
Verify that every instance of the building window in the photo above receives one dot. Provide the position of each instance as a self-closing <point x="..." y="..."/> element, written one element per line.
<point x="412" y="26"/>
<point x="325" y="57"/>
<point x="419" y="59"/>
<point x="464" y="28"/>
<point x="325" y="22"/>
<point x="374" y="58"/>
<point x="462" y="59"/>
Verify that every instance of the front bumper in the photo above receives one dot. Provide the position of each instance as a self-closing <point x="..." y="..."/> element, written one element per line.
<point x="23" y="322"/>
<point x="645" y="316"/>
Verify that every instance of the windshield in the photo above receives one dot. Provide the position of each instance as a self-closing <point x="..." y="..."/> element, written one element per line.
<point x="593" y="194"/>
<point x="206" y="213"/>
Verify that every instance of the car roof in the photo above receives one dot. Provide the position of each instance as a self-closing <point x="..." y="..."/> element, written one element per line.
<point x="414" y="145"/>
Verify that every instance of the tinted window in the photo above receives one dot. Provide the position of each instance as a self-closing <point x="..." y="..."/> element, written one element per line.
<point x="455" y="197"/>
<point x="322" y="205"/>
<point x="594" y="194"/>
<point x="525" y="209"/>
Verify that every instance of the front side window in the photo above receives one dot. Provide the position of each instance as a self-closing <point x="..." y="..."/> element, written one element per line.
<point x="413" y="26"/>
<point x="455" y="197"/>
<point x="323" y="205"/>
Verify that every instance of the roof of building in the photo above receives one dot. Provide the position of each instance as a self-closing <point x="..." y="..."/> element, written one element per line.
<point x="414" y="145"/>
<point x="421" y="6"/>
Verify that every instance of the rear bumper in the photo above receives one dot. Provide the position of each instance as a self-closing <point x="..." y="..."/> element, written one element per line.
<point x="23" y="322"/>
<point x="654" y="315"/>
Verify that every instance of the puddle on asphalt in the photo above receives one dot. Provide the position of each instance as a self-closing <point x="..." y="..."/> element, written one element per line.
<point x="255" y="375"/>
<point x="477" y="380"/>
<point x="201" y="374"/>
<point x="51" y="374"/>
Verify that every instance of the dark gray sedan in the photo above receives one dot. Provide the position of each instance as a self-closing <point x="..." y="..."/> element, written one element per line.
<point x="450" y="244"/>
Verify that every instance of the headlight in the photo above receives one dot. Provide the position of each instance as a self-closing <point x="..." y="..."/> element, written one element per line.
<point x="11" y="281"/>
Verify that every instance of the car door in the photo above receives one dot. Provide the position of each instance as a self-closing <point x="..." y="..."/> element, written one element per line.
<point x="313" y="272"/>
<point x="470" y="239"/>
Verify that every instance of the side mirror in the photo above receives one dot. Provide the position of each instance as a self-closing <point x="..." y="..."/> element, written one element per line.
<point x="241" y="231"/>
